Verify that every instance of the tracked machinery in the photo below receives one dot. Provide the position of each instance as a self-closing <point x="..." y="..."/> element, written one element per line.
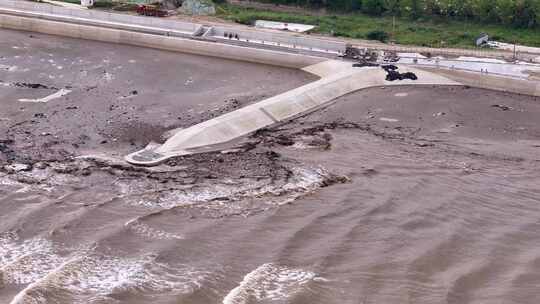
<point x="158" y="8"/>
<point x="154" y="10"/>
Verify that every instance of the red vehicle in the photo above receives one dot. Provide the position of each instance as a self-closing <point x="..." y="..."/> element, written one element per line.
<point x="151" y="10"/>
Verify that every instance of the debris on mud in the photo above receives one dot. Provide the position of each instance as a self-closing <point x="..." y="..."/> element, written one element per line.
<point x="393" y="74"/>
<point x="33" y="86"/>
<point x="502" y="107"/>
<point x="366" y="55"/>
<point x="391" y="56"/>
<point x="389" y="67"/>
<point x="236" y="184"/>
<point x="352" y="52"/>
<point x="364" y="63"/>
<point x="16" y="167"/>
<point x="315" y="137"/>
<point x="6" y="151"/>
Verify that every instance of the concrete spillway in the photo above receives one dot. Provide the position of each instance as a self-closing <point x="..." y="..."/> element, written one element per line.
<point x="337" y="79"/>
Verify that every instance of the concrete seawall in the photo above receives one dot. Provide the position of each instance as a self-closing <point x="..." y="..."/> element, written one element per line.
<point x="337" y="79"/>
<point x="176" y="44"/>
<point x="491" y="82"/>
<point x="234" y="52"/>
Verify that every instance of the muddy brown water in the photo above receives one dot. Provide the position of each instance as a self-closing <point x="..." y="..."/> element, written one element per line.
<point x="389" y="195"/>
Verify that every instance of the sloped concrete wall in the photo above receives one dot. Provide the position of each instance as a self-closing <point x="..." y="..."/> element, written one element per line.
<point x="159" y="42"/>
<point x="338" y="78"/>
<point x="345" y="79"/>
<point x="491" y="82"/>
<point x="282" y="38"/>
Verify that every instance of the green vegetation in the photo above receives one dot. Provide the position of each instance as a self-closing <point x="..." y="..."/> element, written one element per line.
<point x="517" y="13"/>
<point x="103" y="3"/>
<point x="423" y="31"/>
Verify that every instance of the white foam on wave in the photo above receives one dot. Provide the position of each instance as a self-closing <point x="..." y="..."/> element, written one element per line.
<point x="307" y="179"/>
<point x="94" y="277"/>
<point x="302" y="146"/>
<point x="27" y="261"/>
<point x="300" y="182"/>
<point x="150" y="232"/>
<point x="269" y="282"/>
<point x="84" y="276"/>
<point x="5" y="180"/>
<point x="189" y="196"/>
<point x="99" y="275"/>
<point x="303" y="180"/>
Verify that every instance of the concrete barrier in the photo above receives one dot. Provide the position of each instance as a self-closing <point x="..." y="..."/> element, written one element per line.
<point x="281" y="39"/>
<point x="191" y="46"/>
<point x="491" y="82"/>
<point x="166" y="27"/>
<point x="338" y="79"/>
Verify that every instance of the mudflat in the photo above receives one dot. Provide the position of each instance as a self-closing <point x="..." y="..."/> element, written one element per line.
<point x="114" y="97"/>
<point x="388" y="195"/>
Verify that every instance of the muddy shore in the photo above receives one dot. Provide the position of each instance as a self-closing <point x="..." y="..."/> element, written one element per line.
<point x="419" y="194"/>
<point x="118" y="98"/>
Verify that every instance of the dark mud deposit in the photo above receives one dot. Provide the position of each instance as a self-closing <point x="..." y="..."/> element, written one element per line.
<point x="392" y="195"/>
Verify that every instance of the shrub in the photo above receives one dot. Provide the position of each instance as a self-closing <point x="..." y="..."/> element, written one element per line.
<point x="103" y="3"/>
<point x="379" y="35"/>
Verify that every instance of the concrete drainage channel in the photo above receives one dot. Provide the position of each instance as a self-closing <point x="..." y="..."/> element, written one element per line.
<point x="337" y="78"/>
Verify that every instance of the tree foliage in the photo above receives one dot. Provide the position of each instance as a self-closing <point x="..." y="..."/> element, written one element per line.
<point x="517" y="13"/>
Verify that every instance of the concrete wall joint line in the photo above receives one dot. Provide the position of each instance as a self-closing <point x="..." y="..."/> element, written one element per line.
<point x="275" y="120"/>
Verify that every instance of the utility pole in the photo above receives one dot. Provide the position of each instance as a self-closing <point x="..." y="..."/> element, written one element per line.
<point x="393" y="27"/>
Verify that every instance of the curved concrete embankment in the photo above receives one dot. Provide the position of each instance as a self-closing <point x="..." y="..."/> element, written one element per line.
<point x="490" y="82"/>
<point x="338" y="79"/>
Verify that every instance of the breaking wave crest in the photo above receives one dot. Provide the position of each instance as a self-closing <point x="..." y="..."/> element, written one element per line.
<point x="299" y="182"/>
<point x="24" y="262"/>
<point x="150" y="232"/>
<point x="270" y="282"/>
<point x="86" y="276"/>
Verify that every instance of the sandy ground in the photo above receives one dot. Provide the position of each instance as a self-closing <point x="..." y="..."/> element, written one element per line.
<point x="388" y="195"/>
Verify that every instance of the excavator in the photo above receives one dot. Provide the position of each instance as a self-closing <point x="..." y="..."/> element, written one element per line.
<point x="157" y="8"/>
<point x="154" y="10"/>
